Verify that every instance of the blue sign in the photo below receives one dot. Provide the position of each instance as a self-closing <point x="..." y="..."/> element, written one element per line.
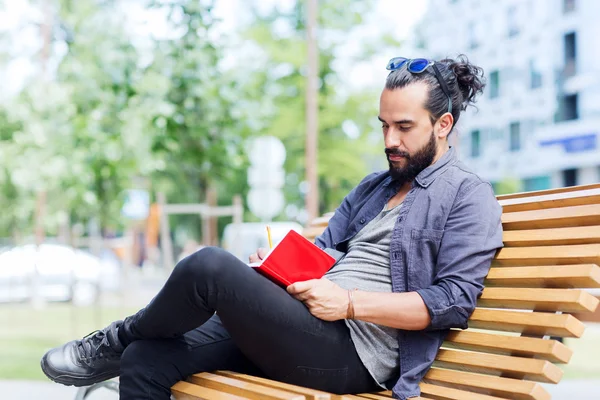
<point x="574" y="144"/>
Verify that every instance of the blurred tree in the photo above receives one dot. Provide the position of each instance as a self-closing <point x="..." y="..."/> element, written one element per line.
<point x="348" y="129"/>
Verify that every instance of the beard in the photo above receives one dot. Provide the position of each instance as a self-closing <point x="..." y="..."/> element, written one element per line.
<point x="415" y="163"/>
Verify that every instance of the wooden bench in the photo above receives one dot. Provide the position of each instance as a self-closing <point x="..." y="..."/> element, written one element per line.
<point x="551" y="253"/>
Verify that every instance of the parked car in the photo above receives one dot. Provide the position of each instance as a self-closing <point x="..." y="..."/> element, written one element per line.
<point x="55" y="272"/>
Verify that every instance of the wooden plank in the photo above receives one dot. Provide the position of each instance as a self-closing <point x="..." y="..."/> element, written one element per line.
<point x="242" y="388"/>
<point x="548" y="191"/>
<point x="309" y="394"/>
<point x="555" y="200"/>
<point x="312" y="232"/>
<point x="528" y="323"/>
<point x="548" y="255"/>
<point x="373" y="396"/>
<point x="486" y="384"/>
<point x="552" y="237"/>
<point x="445" y="393"/>
<point x="545" y="349"/>
<point x="552" y="218"/>
<point x="565" y="300"/>
<point x="546" y="276"/>
<point x="188" y="391"/>
<point x="495" y="364"/>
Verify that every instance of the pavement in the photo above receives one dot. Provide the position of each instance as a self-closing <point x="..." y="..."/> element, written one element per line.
<point x="34" y="390"/>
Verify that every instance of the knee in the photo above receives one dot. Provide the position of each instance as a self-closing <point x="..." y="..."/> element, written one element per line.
<point x="148" y="364"/>
<point x="204" y="263"/>
<point x="136" y="357"/>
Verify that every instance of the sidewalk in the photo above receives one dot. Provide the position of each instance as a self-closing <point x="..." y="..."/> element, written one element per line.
<point x="28" y="390"/>
<point x="33" y="390"/>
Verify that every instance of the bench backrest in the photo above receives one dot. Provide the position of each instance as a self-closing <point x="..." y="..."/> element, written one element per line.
<point x="551" y="253"/>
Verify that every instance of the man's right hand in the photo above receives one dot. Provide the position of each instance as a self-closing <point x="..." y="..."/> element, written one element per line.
<point x="259" y="255"/>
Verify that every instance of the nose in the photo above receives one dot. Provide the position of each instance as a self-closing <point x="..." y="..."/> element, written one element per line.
<point x="392" y="138"/>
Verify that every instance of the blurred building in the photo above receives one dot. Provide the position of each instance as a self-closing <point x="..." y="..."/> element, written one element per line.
<point x="539" y="119"/>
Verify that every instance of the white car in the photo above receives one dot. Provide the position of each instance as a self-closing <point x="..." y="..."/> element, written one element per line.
<point x="55" y="273"/>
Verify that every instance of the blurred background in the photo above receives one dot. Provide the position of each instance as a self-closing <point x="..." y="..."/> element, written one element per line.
<point x="134" y="132"/>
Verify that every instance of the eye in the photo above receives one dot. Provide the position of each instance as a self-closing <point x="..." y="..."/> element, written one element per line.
<point x="405" y="128"/>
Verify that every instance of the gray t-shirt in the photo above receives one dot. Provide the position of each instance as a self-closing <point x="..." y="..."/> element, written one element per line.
<point x="366" y="267"/>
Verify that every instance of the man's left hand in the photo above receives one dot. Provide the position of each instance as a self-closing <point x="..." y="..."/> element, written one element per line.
<point x="324" y="299"/>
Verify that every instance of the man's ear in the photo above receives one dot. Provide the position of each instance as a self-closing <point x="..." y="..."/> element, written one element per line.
<point x="443" y="125"/>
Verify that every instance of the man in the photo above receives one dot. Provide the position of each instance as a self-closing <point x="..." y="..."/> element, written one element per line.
<point x="417" y="241"/>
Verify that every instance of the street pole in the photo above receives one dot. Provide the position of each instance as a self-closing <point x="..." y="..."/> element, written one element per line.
<point x="312" y="91"/>
<point x="37" y="299"/>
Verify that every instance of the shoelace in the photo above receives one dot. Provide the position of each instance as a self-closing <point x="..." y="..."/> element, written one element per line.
<point x="93" y="346"/>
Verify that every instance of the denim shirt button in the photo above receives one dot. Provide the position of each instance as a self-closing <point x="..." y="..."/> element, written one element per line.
<point x="362" y="221"/>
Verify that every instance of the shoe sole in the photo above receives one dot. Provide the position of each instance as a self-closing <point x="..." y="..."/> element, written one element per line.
<point x="70" y="380"/>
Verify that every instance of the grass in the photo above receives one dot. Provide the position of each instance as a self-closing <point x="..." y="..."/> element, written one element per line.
<point x="585" y="363"/>
<point x="26" y="334"/>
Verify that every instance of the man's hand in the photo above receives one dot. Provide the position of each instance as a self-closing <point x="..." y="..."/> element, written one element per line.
<point x="259" y="255"/>
<point x="324" y="299"/>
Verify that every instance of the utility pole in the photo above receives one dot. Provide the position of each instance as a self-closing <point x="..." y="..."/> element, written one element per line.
<point x="37" y="299"/>
<point x="312" y="108"/>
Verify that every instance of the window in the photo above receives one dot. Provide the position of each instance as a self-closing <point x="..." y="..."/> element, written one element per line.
<point x="475" y="143"/>
<point x="535" y="76"/>
<point x="515" y="136"/>
<point x="570" y="177"/>
<point x="567" y="108"/>
<point x="537" y="183"/>
<point x="473" y="44"/>
<point x="494" y="84"/>
<point x="513" y="26"/>
<point x="569" y="5"/>
<point x="570" y="47"/>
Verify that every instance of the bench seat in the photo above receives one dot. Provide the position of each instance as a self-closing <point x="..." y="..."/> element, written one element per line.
<point x="538" y="286"/>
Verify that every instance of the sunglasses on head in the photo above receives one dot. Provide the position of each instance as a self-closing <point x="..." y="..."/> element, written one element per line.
<point x="417" y="66"/>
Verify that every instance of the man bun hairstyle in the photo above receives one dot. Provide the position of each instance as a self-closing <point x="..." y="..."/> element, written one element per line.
<point x="465" y="82"/>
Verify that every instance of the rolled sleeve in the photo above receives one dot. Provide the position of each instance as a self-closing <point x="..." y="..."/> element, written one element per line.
<point x="472" y="236"/>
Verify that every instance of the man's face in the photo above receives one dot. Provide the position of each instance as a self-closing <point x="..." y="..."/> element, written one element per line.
<point x="411" y="144"/>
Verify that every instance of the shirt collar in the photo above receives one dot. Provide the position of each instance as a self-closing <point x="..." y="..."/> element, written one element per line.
<point x="430" y="173"/>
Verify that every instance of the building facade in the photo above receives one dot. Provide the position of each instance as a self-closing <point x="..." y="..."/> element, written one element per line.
<point x="537" y="125"/>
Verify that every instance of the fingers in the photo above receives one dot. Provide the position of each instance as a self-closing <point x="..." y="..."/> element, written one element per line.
<point x="262" y="253"/>
<point x="259" y="255"/>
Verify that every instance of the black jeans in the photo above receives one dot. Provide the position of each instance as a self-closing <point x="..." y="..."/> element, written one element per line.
<point x="260" y="330"/>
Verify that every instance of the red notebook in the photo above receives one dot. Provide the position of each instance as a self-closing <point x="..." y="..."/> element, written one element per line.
<point x="294" y="259"/>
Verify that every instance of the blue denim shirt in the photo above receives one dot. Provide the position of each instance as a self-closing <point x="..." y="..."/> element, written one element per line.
<point x="443" y="242"/>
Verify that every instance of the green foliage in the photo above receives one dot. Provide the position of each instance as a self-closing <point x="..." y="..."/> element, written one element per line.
<point x="176" y="111"/>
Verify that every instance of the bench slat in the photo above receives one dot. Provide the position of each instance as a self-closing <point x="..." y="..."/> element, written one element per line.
<point x="547" y="276"/>
<point x="566" y="300"/>
<point x="495" y="364"/>
<point x="241" y="388"/>
<point x="446" y="393"/>
<point x="373" y="396"/>
<point x="552" y="237"/>
<point x="555" y="200"/>
<point x="548" y="255"/>
<point x="551" y="350"/>
<point x="552" y="218"/>
<point x="310" y="394"/>
<point x="188" y="391"/>
<point x="529" y="323"/>
<point x="556" y="191"/>
<point x="487" y="384"/>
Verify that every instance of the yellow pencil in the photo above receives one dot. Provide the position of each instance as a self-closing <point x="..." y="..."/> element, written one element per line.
<point x="269" y="237"/>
